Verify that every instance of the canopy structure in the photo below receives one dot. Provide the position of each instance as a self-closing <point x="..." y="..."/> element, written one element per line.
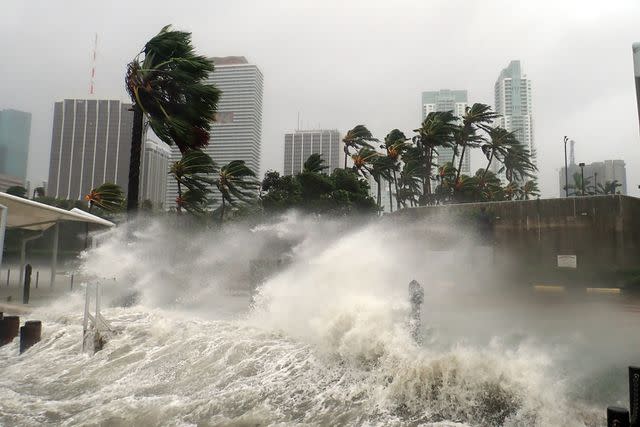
<point x="16" y="212"/>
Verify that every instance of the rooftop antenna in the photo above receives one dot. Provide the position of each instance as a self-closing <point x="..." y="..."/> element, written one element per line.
<point x="93" y="66"/>
<point x="572" y="155"/>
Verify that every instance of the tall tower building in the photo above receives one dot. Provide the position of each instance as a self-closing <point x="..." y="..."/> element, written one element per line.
<point x="447" y="100"/>
<point x="636" y="72"/>
<point x="513" y="103"/>
<point x="90" y="145"/>
<point x="15" y="130"/>
<point x="237" y="131"/>
<point x="299" y="145"/>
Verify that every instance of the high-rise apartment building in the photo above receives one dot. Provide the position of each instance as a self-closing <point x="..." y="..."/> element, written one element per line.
<point x="447" y="100"/>
<point x="237" y="131"/>
<point x="15" y="130"/>
<point x="636" y="71"/>
<point x="153" y="172"/>
<point x="299" y="145"/>
<point x="514" y="105"/>
<point x="90" y="145"/>
<point x="596" y="174"/>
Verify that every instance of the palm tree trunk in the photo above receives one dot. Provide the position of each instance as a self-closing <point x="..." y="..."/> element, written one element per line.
<point x="222" y="211"/>
<point x="390" y="197"/>
<point x="178" y="207"/>
<point x="488" y="164"/>
<point x="345" y="158"/>
<point x="464" y="147"/>
<point x="134" y="160"/>
<point x="395" y="183"/>
<point x="379" y="192"/>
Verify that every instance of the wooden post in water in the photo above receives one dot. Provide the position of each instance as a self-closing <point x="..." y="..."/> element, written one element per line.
<point x="634" y="396"/>
<point x="8" y="276"/>
<point x="9" y="327"/>
<point x="37" y="278"/>
<point x="30" y="334"/>
<point x="617" y="417"/>
<point x="26" y="292"/>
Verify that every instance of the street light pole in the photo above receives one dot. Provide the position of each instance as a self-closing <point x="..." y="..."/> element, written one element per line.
<point x="566" y="170"/>
<point x="582" y="176"/>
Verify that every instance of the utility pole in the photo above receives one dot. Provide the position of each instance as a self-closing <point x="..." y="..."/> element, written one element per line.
<point x="566" y="170"/>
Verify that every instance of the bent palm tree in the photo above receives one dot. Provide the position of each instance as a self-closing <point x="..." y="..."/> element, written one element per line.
<point x="497" y="147"/>
<point x="476" y="117"/>
<point x="529" y="189"/>
<point x="108" y="197"/>
<point x="357" y="138"/>
<point x="193" y="171"/>
<point x="395" y="143"/>
<point x="167" y="83"/>
<point x="314" y="164"/>
<point x="436" y="131"/>
<point x="236" y="180"/>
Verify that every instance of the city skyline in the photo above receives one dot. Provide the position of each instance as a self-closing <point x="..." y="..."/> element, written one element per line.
<point x="595" y="174"/>
<point x="348" y="79"/>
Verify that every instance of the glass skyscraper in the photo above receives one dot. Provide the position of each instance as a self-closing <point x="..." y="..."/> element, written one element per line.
<point x="299" y="145"/>
<point x="15" y="130"/>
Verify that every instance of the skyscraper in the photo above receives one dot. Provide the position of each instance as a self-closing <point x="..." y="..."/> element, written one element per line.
<point x="15" y="130"/>
<point x="636" y="71"/>
<point x="513" y="103"/>
<point x="299" y="145"/>
<point x="447" y="100"/>
<point x="153" y="172"/>
<point x="237" y="131"/>
<point x="90" y="145"/>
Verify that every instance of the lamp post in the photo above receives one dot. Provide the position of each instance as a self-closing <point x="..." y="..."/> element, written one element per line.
<point x="582" y="176"/>
<point x="595" y="182"/>
<point x="566" y="170"/>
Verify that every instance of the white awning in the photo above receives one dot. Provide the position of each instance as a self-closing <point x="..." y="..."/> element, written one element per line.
<point x="31" y="215"/>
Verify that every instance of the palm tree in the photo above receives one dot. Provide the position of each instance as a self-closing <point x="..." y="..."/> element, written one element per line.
<point x="530" y="188"/>
<point x="476" y="117"/>
<point x="517" y="164"/>
<point x="194" y="171"/>
<point x="369" y="162"/>
<point x="357" y="138"/>
<point x="497" y="147"/>
<point x="609" y="187"/>
<point x="236" y="180"/>
<point x="436" y="131"/>
<point x="395" y="143"/>
<point x="108" y="197"/>
<point x="167" y="83"/>
<point x="489" y="186"/>
<point x="410" y="181"/>
<point x="314" y="164"/>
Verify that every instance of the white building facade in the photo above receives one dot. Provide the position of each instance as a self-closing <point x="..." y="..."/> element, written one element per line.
<point x="237" y="131"/>
<point x="154" y="173"/>
<point x="447" y="100"/>
<point x="301" y="144"/>
<point x="513" y="102"/>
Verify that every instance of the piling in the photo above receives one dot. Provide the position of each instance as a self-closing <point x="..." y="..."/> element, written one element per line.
<point x="9" y="328"/>
<point x="8" y="276"/>
<point x="37" y="278"/>
<point x="30" y="334"/>
<point x="26" y="292"/>
<point x="71" y="283"/>
<point x="634" y="396"/>
<point x="617" y="417"/>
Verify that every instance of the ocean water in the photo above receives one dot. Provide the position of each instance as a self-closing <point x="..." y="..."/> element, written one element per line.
<point x="322" y="340"/>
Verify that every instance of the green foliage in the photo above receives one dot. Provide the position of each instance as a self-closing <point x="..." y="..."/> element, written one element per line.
<point x="340" y="193"/>
<point x="108" y="197"/>
<point x="18" y="191"/>
<point x="314" y="164"/>
<point x="194" y="171"/>
<point x="167" y="80"/>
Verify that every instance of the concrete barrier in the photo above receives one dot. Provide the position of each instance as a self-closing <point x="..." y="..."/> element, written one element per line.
<point x="30" y="334"/>
<point x="9" y="329"/>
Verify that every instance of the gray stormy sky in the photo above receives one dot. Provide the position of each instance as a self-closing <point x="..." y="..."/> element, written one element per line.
<point x="340" y="63"/>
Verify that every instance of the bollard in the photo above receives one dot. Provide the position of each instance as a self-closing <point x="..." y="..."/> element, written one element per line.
<point x="26" y="291"/>
<point x="634" y="396"/>
<point x="8" y="276"/>
<point x="37" y="278"/>
<point x="617" y="417"/>
<point x="30" y="334"/>
<point x="9" y="327"/>
<point x="416" y="298"/>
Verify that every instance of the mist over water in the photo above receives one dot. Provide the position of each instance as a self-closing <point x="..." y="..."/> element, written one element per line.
<point x="323" y="340"/>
